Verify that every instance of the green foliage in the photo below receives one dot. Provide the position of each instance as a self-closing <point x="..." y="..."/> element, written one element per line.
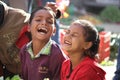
<point x="107" y="63"/>
<point x="114" y="47"/>
<point x="66" y="21"/>
<point x="16" y="77"/>
<point x="71" y="10"/>
<point x="114" y="51"/>
<point x="111" y="14"/>
<point x="99" y="28"/>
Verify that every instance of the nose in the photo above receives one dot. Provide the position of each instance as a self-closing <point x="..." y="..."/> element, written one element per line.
<point x="43" y="23"/>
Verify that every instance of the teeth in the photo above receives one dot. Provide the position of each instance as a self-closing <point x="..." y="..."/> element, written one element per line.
<point x="67" y="42"/>
<point x="44" y="29"/>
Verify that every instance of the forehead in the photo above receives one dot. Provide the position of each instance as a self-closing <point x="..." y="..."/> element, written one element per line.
<point x="46" y="13"/>
<point x="76" y="27"/>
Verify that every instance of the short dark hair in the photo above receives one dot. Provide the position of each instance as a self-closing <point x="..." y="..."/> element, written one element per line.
<point x="56" y="15"/>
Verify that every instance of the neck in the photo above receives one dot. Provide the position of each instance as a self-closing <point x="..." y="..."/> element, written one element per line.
<point x="76" y="59"/>
<point x="37" y="46"/>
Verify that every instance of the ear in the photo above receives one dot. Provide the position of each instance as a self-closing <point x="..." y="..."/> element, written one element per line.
<point x="54" y="30"/>
<point x="88" y="45"/>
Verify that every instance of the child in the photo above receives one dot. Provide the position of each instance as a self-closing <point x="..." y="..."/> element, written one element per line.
<point x="41" y="58"/>
<point x="81" y="41"/>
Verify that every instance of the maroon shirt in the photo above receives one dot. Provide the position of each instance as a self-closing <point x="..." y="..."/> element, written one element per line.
<point x="45" y="66"/>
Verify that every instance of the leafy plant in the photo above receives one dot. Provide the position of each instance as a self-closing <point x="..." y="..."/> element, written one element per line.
<point x="111" y="14"/>
<point x="115" y="40"/>
<point x="16" y="77"/>
<point x="66" y="21"/>
<point x="107" y="63"/>
<point x="91" y="18"/>
<point x="99" y="28"/>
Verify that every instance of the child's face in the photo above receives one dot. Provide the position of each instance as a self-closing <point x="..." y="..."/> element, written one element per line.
<point x="42" y="26"/>
<point x="73" y="40"/>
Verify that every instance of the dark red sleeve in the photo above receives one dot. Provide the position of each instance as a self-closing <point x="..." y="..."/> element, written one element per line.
<point x="88" y="72"/>
<point x="23" y="38"/>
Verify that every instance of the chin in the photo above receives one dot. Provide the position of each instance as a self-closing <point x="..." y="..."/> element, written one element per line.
<point x="66" y="49"/>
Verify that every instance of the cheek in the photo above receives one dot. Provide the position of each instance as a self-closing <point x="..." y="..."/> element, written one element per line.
<point x="51" y="30"/>
<point x="31" y="28"/>
<point x="34" y="23"/>
<point x="77" y="42"/>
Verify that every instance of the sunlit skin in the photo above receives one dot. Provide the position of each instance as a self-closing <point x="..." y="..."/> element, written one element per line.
<point x="52" y="5"/>
<point x="42" y="28"/>
<point x="74" y="43"/>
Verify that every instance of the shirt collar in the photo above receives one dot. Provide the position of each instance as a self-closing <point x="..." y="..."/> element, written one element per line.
<point x="44" y="51"/>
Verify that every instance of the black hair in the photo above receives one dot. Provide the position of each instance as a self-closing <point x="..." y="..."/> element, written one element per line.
<point x="56" y="15"/>
<point x="2" y="11"/>
<point x="91" y="35"/>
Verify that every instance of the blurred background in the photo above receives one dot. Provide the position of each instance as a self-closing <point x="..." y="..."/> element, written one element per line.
<point x="104" y="14"/>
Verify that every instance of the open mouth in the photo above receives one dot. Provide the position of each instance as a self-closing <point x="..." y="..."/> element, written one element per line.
<point x="67" y="42"/>
<point x="42" y="30"/>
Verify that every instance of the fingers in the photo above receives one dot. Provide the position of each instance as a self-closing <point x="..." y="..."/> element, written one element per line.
<point x="52" y="5"/>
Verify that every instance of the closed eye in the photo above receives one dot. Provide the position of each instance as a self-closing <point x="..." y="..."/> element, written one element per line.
<point x="74" y="35"/>
<point x="38" y="20"/>
<point x="50" y="20"/>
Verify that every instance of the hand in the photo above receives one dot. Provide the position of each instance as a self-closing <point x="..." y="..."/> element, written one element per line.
<point x="52" y="5"/>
